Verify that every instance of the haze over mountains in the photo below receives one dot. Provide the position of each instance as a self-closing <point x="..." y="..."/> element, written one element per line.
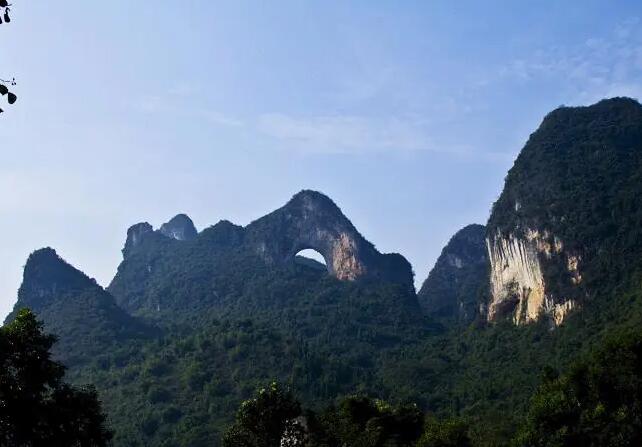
<point x="193" y="321"/>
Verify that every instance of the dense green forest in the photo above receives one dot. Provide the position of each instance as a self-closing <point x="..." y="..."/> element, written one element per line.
<point x="189" y="329"/>
<point x="596" y="402"/>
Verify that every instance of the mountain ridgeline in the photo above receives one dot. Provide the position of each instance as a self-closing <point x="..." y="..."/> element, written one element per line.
<point x="164" y="274"/>
<point x="194" y="322"/>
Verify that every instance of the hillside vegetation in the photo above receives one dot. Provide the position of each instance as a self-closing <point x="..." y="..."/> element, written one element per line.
<point x="191" y="327"/>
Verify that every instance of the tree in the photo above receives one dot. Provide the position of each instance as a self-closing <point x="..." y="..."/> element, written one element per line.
<point x="359" y="421"/>
<point x="4" y="11"/>
<point x="274" y="419"/>
<point x="266" y="420"/>
<point x="4" y="90"/>
<point x="597" y="403"/>
<point x="36" y="407"/>
<point x="444" y="433"/>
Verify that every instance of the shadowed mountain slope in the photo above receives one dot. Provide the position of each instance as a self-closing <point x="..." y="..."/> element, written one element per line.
<point x="451" y="293"/>
<point x="74" y="307"/>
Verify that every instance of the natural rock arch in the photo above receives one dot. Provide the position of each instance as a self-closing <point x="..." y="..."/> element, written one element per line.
<point x="311" y="258"/>
<point x="310" y="220"/>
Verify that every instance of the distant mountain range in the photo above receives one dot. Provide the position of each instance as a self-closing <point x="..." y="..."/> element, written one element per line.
<point x="193" y="322"/>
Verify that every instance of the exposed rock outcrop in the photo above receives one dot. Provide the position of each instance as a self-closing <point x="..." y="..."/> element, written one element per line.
<point x="517" y="284"/>
<point x="180" y="227"/>
<point x="452" y="290"/>
<point x="310" y="220"/>
<point x="567" y="214"/>
<point x="135" y="235"/>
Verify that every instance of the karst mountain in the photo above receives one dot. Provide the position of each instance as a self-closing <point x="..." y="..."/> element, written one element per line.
<point x="194" y="321"/>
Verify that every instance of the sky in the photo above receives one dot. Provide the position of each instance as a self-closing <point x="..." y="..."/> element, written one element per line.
<point x="407" y="114"/>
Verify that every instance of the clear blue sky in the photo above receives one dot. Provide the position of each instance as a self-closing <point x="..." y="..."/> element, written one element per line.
<point x="408" y="114"/>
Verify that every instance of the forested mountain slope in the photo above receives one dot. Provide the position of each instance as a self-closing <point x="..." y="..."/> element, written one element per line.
<point x="451" y="293"/>
<point x="74" y="307"/>
<point x="200" y="320"/>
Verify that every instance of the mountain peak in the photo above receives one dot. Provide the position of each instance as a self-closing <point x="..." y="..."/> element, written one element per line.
<point x="310" y="195"/>
<point x="45" y="268"/>
<point x="450" y="291"/>
<point x="43" y="255"/>
<point x="47" y="276"/>
<point x="569" y="201"/>
<point x="73" y="306"/>
<point x="135" y="235"/>
<point x="311" y="220"/>
<point x="180" y="227"/>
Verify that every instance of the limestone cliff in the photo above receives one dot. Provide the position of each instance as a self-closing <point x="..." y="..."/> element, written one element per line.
<point x="310" y="220"/>
<point x="517" y="284"/>
<point x="566" y="222"/>
<point x="135" y="235"/>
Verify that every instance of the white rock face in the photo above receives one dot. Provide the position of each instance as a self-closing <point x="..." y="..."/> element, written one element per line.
<point x="558" y="311"/>
<point x="517" y="284"/>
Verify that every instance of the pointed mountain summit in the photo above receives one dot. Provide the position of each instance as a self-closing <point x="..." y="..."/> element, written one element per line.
<point x="451" y="291"/>
<point x="135" y="235"/>
<point x="46" y="278"/>
<point x="73" y="306"/>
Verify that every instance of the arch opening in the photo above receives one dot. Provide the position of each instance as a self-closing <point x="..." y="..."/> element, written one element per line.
<point x="311" y="258"/>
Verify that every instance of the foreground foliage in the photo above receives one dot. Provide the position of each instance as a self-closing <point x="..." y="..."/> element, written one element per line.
<point x="597" y="403"/>
<point x="274" y="419"/>
<point x="264" y="420"/>
<point x="36" y="407"/>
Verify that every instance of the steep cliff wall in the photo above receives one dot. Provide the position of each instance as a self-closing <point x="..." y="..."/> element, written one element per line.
<point x="518" y="288"/>
<point x="566" y="226"/>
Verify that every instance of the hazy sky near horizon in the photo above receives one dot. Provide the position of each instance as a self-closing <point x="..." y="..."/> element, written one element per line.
<point x="408" y="114"/>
